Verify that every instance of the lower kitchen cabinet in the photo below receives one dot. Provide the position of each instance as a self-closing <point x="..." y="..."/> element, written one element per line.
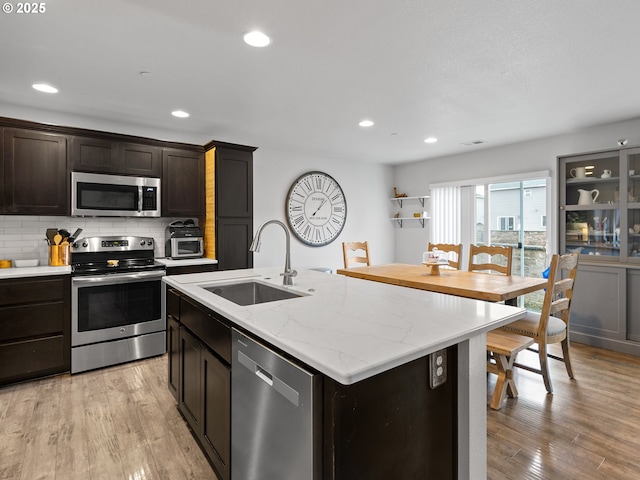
<point x="199" y="367"/>
<point x="216" y="412"/>
<point x="605" y="309"/>
<point x="190" y="403"/>
<point x="35" y="323"/>
<point x="173" y="349"/>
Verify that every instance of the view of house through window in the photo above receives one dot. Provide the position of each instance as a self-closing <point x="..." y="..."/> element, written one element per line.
<point x="515" y="213"/>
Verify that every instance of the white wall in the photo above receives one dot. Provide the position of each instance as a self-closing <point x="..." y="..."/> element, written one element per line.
<point x="516" y="158"/>
<point x="367" y="189"/>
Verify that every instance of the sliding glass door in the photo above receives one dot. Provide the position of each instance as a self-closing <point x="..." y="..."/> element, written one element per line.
<point x="515" y="214"/>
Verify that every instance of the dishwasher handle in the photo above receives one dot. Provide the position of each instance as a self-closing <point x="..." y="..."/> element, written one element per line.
<point x="271" y="380"/>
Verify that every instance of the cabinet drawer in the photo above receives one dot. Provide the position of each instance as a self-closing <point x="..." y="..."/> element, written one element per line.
<point x="211" y="331"/>
<point x="26" y="321"/>
<point x="30" y="359"/>
<point x="31" y="290"/>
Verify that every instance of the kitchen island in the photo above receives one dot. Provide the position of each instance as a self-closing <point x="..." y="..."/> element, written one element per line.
<point x="371" y="344"/>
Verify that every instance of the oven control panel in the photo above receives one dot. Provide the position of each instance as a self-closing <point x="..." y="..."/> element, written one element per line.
<point x="112" y="244"/>
<point x="115" y="243"/>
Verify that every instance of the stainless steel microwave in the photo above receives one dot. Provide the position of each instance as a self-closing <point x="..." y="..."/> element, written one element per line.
<point x="103" y="195"/>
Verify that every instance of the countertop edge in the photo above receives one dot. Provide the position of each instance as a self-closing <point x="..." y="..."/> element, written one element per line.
<point x="25" y="272"/>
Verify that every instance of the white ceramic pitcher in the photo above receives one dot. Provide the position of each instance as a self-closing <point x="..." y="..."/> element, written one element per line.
<point x="587" y="197"/>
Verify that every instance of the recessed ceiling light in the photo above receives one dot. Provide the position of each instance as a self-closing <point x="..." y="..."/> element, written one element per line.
<point x="257" y="39"/>
<point x="366" y="123"/>
<point x="180" y="114"/>
<point x="430" y="140"/>
<point x="43" y="87"/>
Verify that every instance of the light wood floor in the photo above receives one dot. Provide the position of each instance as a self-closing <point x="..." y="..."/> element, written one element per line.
<point x="115" y="423"/>
<point x="122" y="423"/>
<point x="588" y="429"/>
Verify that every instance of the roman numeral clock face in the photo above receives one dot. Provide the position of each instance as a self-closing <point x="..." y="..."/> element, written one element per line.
<point x="316" y="208"/>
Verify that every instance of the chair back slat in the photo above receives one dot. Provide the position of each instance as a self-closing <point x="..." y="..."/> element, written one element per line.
<point x="449" y="248"/>
<point x="359" y="258"/>
<point x="491" y="250"/>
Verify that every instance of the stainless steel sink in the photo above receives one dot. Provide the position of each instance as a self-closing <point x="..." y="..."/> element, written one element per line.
<point x="251" y="293"/>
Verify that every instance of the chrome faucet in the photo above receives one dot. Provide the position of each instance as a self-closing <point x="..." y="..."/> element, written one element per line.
<point x="288" y="274"/>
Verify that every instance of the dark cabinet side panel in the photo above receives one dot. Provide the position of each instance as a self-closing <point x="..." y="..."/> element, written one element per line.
<point x="35" y="166"/>
<point x="392" y="425"/>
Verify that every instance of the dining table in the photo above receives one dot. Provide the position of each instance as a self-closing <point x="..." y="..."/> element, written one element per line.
<point x="476" y="285"/>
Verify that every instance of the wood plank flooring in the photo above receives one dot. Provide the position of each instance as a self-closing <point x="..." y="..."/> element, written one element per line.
<point x="588" y="429"/>
<point x="122" y="423"/>
<point x="115" y="423"/>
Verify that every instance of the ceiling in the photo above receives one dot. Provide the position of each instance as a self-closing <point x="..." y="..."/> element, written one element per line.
<point x="500" y="71"/>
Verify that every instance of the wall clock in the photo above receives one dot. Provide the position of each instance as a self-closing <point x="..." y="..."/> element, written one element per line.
<point x="316" y="208"/>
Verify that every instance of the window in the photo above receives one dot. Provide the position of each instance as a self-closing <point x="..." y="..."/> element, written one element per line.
<point x="506" y="223"/>
<point x="543" y="222"/>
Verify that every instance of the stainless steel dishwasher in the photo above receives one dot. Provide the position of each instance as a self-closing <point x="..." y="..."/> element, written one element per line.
<point x="273" y="415"/>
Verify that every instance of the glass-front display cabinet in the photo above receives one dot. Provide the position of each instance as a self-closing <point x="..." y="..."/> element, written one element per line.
<point x="600" y="205"/>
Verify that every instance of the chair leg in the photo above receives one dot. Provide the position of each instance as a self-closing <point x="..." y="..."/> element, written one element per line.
<point x="567" y="357"/>
<point x="544" y="367"/>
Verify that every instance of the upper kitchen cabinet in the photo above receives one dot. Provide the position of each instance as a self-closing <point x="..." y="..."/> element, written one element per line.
<point x="104" y="155"/>
<point x="34" y="180"/>
<point x="234" y="182"/>
<point x="233" y="205"/>
<point x="183" y="186"/>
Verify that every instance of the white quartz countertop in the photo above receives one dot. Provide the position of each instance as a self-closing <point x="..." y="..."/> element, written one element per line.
<point x="18" y="272"/>
<point x="185" y="261"/>
<point x="347" y="328"/>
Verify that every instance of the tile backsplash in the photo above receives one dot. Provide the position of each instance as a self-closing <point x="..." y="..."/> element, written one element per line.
<point x="23" y="236"/>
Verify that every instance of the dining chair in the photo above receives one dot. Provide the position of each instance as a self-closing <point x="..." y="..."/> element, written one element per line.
<point x="355" y="253"/>
<point x="503" y="267"/>
<point x="449" y="248"/>
<point x="551" y="325"/>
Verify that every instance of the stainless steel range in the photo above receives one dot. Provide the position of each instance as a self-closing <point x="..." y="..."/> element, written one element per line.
<point x="117" y="302"/>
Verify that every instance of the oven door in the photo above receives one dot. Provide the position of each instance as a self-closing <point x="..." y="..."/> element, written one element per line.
<point x="116" y="306"/>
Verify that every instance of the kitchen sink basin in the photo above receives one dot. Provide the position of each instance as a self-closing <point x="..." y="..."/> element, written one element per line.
<point x="251" y="293"/>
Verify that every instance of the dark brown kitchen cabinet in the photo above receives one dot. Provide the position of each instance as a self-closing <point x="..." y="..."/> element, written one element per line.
<point x="35" y="323"/>
<point x="173" y="349"/>
<point x="190" y="403"/>
<point x="233" y="238"/>
<point x="139" y="159"/>
<point x="234" y="205"/>
<point x="202" y="355"/>
<point x="182" y="183"/>
<point x="216" y="408"/>
<point x="94" y="155"/>
<point x="34" y="168"/>
<point x="107" y="155"/>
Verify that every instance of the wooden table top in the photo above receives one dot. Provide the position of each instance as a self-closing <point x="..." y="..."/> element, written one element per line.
<point x="480" y="286"/>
